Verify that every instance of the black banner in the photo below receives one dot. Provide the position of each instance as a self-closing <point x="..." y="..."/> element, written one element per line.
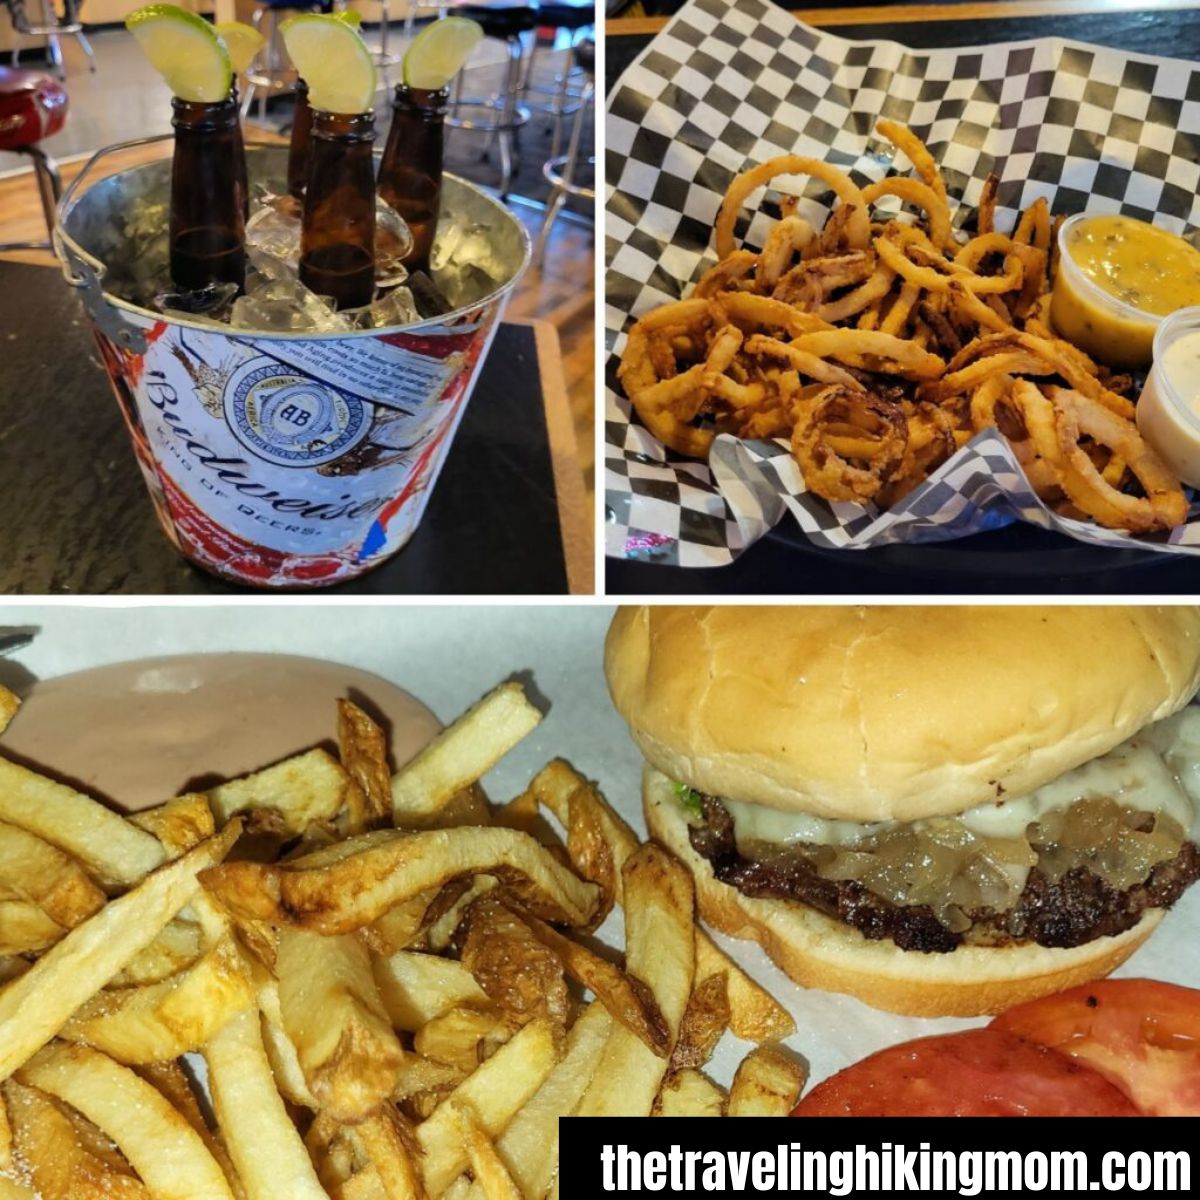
<point x="820" y="1156"/>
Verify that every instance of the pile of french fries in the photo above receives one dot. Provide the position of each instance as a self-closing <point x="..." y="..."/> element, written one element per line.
<point x="326" y="981"/>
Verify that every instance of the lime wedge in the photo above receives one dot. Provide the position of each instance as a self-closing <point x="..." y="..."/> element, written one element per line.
<point x="439" y="51"/>
<point x="333" y="60"/>
<point x="185" y="50"/>
<point x="351" y="16"/>
<point x="242" y="41"/>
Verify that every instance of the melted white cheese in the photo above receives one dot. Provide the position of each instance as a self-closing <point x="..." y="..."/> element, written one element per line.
<point x="1157" y="770"/>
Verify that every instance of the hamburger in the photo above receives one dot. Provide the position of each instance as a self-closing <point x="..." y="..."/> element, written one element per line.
<point x="941" y="811"/>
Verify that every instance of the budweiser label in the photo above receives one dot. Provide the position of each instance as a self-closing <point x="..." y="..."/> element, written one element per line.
<point x="318" y="449"/>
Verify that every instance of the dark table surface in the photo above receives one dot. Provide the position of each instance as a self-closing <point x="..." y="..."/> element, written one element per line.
<point x="79" y="519"/>
<point x="776" y="564"/>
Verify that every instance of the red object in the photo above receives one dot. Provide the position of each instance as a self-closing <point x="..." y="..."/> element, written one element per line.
<point x="1142" y="1035"/>
<point x="979" y="1073"/>
<point x="33" y="106"/>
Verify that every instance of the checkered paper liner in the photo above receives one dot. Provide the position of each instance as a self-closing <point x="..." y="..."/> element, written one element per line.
<point x="731" y="83"/>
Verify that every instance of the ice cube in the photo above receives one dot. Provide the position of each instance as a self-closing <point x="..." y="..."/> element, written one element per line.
<point x="273" y="242"/>
<point x="286" y="306"/>
<point x="393" y="240"/>
<point x="204" y="302"/>
<point x="463" y="262"/>
<point x="397" y="307"/>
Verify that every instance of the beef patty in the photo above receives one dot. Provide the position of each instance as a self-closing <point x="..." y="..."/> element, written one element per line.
<point x="1070" y="911"/>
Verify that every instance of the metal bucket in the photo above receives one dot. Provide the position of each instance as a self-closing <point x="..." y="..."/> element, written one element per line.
<point x="280" y="460"/>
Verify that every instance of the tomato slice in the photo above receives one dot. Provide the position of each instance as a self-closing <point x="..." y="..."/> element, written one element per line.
<point x="979" y="1073"/>
<point x="1142" y="1035"/>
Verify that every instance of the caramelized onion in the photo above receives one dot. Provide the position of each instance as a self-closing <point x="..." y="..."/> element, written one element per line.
<point x="942" y="864"/>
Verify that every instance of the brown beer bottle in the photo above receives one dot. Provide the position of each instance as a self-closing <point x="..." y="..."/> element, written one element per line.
<point x="207" y="228"/>
<point x="337" y="234"/>
<point x="410" y="176"/>
<point x="243" y="178"/>
<point x="298" y="147"/>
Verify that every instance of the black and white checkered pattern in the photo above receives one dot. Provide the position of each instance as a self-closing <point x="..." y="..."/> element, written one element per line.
<point x="731" y="83"/>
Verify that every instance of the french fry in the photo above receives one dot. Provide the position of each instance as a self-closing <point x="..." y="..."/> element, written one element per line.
<point x="416" y="988"/>
<point x="171" y="1080"/>
<point x="754" y="1014"/>
<point x="25" y="928"/>
<point x="626" y="998"/>
<point x="494" y="1092"/>
<point x="163" y="1020"/>
<point x="529" y="1146"/>
<point x="32" y="869"/>
<point x="401" y="926"/>
<point x="420" y="1075"/>
<point x="462" y="1037"/>
<point x="767" y="1083"/>
<point x="302" y="790"/>
<point x="280" y="1050"/>
<point x="522" y="976"/>
<point x="704" y="1021"/>
<point x="36" y="1006"/>
<point x="660" y="950"/>
<point x="179" y="824"/>
<point x="14" y="1189"/>
<point x="689" y="1093"/>
<point x="487" y="1166"/>
<point x="116" y="853"/>
<point x="166" y="1152"/>
<point x="362" y="748"/>
<point x="448" y="909"/>
<point x="10" y="702"/>
<point x="462" y="753"/>
<point x="333" y="1015"/>
<point x="6" y="1139"/>
<point x="176" y="946"/>
<point x="55" y="1160"/>
<point x="332" y="1152"/>
<point x="389" y="1145"/>
<point x="352" y="884"/>
<point x="11" y="967"/>
<point x="266" y="1149"/>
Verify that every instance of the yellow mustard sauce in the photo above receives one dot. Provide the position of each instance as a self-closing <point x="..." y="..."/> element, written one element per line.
<point x="1148" y="273"/>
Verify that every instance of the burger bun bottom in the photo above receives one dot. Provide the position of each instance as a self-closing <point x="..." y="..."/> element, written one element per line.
<point x="819" y="952"/>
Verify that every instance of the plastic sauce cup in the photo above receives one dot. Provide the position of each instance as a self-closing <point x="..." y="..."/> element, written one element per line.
<point x="1165" y="417"/>
<point x="1092" y="318"/>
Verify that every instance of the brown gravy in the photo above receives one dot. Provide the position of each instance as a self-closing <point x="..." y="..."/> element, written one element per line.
<point x="137" y="733"/>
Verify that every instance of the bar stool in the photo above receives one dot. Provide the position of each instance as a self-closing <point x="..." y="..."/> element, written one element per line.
<point x="51" y="29"/>
<point x="274" y="74"/>
<point x="560" y="172"/>
<point x="575" y="18"/>
<point x="502" y="113"/>
<point x="438" y="7"/>
<point x="33" y="105"/>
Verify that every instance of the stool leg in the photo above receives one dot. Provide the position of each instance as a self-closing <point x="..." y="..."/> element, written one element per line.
<point x="560" y="104"/>
<point x="49" y="183"/>
<point x="558" y="197"/>
<point x="508" y="135"/>
<point x="577" y="135"/>
<point x="86" y="46"/>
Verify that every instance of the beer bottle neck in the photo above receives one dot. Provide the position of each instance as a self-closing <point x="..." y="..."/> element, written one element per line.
<point x="425" y="103"/>
<point x="198" y="116"/>
<point x="347" y="128"/>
